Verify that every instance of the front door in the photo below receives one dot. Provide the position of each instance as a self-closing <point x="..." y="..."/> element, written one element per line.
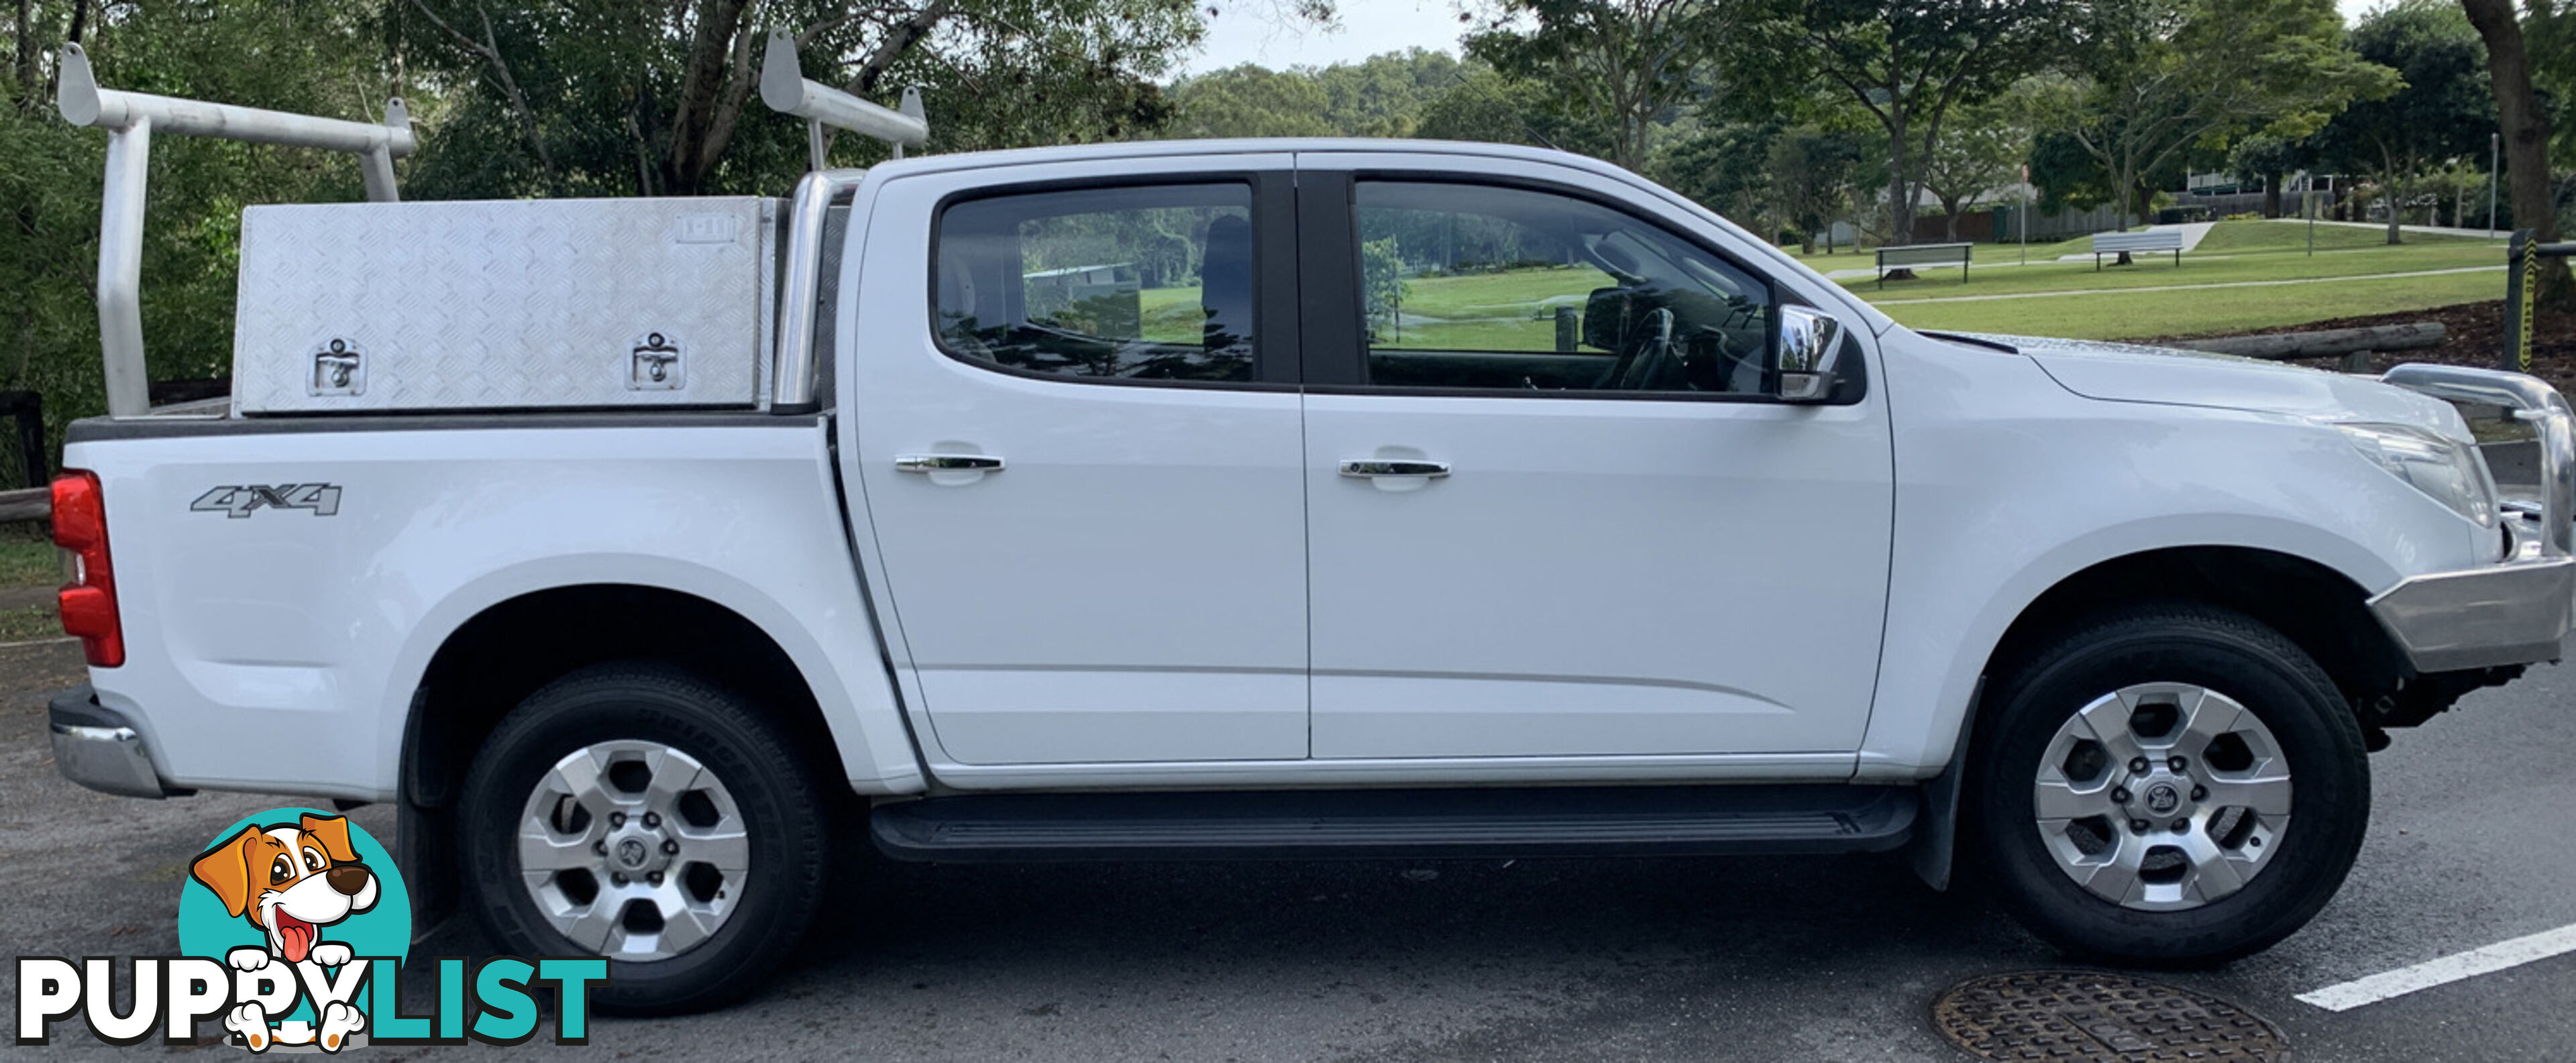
<point x="1084" y="467"/>
<point x="1552" y="510"/>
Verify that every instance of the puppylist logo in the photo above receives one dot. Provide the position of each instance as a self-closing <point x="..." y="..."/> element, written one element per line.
<point x="293" y="926"/>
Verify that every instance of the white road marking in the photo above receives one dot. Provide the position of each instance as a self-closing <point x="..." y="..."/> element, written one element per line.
<point x="2452" y="968"/>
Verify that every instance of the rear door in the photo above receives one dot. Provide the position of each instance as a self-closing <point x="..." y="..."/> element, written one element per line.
<point x="1552" y="509"/>
<point x="1078" y="437"/>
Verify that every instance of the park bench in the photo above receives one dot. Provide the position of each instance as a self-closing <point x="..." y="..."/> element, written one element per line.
<point x="2150" y="240"/>
<point x="1909" y="256"/>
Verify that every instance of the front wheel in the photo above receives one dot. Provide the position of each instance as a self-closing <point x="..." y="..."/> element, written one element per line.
<point x="637" y="812"/>
<point x="2170" y="785"/>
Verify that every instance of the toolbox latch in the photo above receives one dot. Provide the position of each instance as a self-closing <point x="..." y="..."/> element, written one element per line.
<point x="656" y="364"/>
<point x="339" y="368"/>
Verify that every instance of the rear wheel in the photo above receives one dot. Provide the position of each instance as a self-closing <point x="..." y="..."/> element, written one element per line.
<point x="2173" y="784"/>
<point x="637" y="812"/>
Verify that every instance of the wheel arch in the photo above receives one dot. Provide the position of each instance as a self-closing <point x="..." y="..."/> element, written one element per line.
<point x="488" y="664"/>
<point x="2323" y="611"/>
<point x="2318" y="608"/>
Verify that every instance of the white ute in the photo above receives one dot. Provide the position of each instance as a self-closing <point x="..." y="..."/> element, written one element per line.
<point x="1150" y="501"/>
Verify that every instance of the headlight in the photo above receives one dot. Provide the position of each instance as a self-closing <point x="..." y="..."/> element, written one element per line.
<point x="2448" y="472"/>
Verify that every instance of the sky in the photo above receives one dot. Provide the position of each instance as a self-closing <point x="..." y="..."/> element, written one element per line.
<point x="1258" y="32"/>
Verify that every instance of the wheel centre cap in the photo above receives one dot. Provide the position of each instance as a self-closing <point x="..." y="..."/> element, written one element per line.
<point x="635" y="852"/>
<point x="2163" y="798"/>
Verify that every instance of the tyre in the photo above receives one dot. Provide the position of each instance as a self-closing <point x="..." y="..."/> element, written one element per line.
<point x="638" y="812"/>
<point x="2171" y="785"/>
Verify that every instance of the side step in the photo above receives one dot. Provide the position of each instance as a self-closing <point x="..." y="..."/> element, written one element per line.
<point x="1453" y="823"/>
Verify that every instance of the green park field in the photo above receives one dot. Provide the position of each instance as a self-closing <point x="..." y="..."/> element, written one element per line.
<point x="2245" y="275"/>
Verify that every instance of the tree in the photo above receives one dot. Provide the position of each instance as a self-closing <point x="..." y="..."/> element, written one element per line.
<point x="1384" y="95"/>
<point x="1815" y="173"/>
<point x="1985" y="150"/>
<point x="1725" y="167"/>
<point x="1624" y="62"/>
<point x="2526" y="136"/>
<point x="2159" y="77"/>
<point x="1909" y="63"/>
<point x="1382" y="287"/>
<point x="2067" y="176"/>
<point x="317" y="57"/>
<point x="1249" y="101"/>
<point x="605" y="97"/>
<point x="1486" y="105"/>
<point x="2267" y="159"/>
<point x="2444" y="109"/>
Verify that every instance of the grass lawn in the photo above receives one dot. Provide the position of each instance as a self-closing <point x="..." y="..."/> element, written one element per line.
<point x="2234" y="237"/>
<point x="2224" y="238"/>
<point x="1513" y="311"/>
<point x="27" y="558"/>
<point x="2158" y="272"/>
<point x="29" y="623"/>
<point x="2209" y="312"/>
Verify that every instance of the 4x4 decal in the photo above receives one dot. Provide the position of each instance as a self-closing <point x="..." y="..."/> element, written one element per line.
<point x="238" y="502"/>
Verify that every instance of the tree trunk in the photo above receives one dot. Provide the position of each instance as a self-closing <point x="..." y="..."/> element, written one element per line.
<point x="2272" y="195"/>
<point x="26" y="50"/>
<point x="1900" y="201"/>
<point x="1900" y="193"/>
<point x="684" y="169"/>
<point x="2390" y="187"/>
<point x="2526" y="137"/>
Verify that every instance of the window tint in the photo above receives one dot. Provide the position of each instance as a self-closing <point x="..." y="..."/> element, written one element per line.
<point x="1138" y="283"/>
<point x="1469" y="286"/>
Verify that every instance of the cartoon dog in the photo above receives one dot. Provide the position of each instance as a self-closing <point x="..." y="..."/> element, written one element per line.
<point x="290" y="881"/>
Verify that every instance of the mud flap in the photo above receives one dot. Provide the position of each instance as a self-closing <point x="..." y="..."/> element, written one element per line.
<point x="1936" y="835"/>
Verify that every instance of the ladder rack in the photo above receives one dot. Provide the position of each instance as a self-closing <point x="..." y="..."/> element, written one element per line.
<point x="130" y="119"/>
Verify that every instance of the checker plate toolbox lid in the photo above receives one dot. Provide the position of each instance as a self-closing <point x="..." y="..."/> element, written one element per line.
<point x="504" y="304"/>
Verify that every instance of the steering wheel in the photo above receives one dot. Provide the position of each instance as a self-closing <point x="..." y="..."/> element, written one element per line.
<point x="1652" y="359"/>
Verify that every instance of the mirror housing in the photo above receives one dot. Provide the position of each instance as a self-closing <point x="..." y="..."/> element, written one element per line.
<point x="1811" y="342"/>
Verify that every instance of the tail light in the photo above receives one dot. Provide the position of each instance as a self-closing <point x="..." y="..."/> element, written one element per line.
<point x="88" y="602"/>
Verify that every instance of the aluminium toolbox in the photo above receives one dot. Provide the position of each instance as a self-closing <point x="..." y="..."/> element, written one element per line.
<point x="505" y="304"/>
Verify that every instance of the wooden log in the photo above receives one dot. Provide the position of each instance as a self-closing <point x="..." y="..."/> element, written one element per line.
<point x="30" y="503"/>
<point x="2281" y="346"/>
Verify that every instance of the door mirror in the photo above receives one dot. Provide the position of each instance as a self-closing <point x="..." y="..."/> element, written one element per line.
<point x="1810" y="343"/>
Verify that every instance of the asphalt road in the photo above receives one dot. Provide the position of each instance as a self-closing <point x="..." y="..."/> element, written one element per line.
<point x="1757" y="959"/>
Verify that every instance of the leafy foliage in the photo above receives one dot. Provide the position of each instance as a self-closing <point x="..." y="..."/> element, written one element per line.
<point x="2158" y="77"/>
<point x="1381" y="96"/>
<point x="1623" y="64"/>
<point x="316" y="56"/>
<point x="1908" y="63"/>
<point x="606" y="97"/>
<point x="2445" y="108"/>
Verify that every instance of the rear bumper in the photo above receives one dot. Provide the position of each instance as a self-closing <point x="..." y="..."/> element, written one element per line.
<point x="99" y="749"/>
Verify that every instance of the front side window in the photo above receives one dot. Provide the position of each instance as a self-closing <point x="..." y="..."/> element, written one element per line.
<point x="1473" y="286"/>
<point x="1142" y="283"/>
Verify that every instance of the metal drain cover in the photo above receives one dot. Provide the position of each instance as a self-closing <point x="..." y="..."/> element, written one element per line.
<point x="2085" y="1017"/>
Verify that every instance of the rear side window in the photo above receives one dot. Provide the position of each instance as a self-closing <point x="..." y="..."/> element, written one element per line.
<point x="1141" y="283"/>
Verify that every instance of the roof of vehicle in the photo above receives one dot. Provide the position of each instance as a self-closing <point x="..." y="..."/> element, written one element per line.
<point x="1141" y="149"/>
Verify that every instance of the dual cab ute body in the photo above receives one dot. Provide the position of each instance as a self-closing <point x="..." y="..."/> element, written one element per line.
<point x="1280" y="497"/>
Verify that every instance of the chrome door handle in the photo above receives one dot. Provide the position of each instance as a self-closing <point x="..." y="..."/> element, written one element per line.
<point x="1371" y="467"/>
<point x="947" y="463"/>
